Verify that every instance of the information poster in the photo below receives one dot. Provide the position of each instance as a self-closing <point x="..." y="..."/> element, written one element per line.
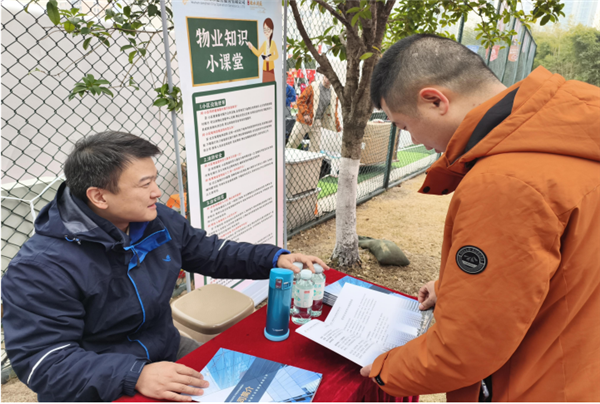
<point x="231" y="80"/>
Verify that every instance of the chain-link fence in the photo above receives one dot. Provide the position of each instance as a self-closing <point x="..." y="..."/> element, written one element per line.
<point x="313" y="123"/>
<point x="41" y="64"/>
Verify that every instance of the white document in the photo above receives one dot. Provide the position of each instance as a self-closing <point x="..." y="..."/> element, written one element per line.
<point x="365" y="323"/>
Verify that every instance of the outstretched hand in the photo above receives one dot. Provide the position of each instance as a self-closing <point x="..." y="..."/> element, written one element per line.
<point x="167" y="380"/>
<point x="427" y="297"/>
<point x="287" y="261"/>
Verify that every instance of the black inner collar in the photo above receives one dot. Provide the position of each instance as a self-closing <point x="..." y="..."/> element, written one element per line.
<point x="491" y="119"/>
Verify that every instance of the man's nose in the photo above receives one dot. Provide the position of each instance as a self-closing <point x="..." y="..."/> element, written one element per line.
<point x="156" y="192"/>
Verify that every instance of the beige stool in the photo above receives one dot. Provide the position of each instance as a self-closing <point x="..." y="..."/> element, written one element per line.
<point x="206" y="312"/>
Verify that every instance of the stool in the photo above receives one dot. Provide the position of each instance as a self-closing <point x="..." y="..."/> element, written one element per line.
<point x="206" y="312"/>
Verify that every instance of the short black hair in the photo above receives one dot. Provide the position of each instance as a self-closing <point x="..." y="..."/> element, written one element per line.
<point x="421" y="60"/>
<point x="98" y="160"/>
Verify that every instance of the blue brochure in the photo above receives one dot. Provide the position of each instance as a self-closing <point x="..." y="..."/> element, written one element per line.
<point x="237" y="377"/>
<point x="333" y="291"/>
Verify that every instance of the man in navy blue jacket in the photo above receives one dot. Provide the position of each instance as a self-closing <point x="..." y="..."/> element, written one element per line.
<point x="86" y="299"/>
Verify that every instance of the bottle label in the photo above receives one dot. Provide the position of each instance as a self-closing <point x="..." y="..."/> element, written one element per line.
<point x="319" y="290"/>
<point x="303" y="298"/>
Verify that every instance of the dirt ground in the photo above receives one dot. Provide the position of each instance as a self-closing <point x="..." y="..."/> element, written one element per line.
<point x="415" y="222"/>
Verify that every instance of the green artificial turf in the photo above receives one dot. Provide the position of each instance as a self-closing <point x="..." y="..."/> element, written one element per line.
<point x="329" y="185"/>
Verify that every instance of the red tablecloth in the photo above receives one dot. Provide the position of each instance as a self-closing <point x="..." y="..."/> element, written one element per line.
<point x="341" y="381"/>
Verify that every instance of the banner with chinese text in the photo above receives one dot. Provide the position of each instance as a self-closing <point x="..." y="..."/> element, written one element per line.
<point x="231" y="80"/>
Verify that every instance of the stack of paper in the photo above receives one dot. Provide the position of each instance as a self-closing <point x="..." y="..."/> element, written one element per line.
<point x="365" y="323"/>
<point x="333" y="291"/>
<point x="257" y="290"/>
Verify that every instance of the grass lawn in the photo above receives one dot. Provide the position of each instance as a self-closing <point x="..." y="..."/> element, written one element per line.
<point x="329" y="185"/>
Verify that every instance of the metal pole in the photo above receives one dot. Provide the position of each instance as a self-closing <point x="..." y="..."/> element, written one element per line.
<point x="514" y="23"/>
<point x="522" y="39"/>
<point x="461" y="28"/>
<point x="487" y="62"/>
<point x="284" y="87"/>
<point x="390" y="156"/>
<point x="182" y="201"/>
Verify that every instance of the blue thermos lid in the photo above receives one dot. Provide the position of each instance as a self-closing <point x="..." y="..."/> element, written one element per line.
<point x="278" y="306"/>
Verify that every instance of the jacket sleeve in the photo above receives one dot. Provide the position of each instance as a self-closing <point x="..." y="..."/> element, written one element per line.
<point x="260" y="50"/>
<point x="481" y="318"/>
<point x="338" y="125"/>
<point x="219" y="258"/>
<point x="274" y="52"/>
<point x="303" y="103"/>
<point x="43" y="326"/>
<point x="290" y="95"/>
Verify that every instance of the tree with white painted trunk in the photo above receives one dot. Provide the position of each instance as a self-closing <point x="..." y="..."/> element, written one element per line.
<point x="360" y="30"/>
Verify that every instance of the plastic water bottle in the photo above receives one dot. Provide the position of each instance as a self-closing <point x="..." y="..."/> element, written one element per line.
<point x="296" y="279"/>
<point x="304" y="299"/>
<point x="319" y="290"/>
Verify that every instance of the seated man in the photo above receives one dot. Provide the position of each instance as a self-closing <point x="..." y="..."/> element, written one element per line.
<point x="86" y="299"/>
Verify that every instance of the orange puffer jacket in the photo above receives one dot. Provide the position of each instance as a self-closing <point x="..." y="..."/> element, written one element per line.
<point x="519" y="287"/>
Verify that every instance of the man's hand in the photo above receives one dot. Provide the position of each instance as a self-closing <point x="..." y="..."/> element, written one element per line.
<point x="307" y="119"/>
<point x="166" y="380"/>
<point x="287" y="261"/>
<point x="427" y="297"/>
<point x="364" y="372"/>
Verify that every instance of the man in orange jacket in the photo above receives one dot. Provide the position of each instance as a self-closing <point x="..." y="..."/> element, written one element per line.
<point x="317" y="109"/>
<point x="517" y="302"/>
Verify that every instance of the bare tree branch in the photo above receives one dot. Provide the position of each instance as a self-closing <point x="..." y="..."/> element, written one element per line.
<point x="64" y="69"/>
<point x="380" y="16"/>
<point x="324" y="64"/>
<point x="139" y="57"/>
<point x="340" y="17"/>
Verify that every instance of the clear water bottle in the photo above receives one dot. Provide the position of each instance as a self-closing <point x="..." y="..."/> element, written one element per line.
<point x="304" y="299"/>
<point x="296" y="279"/>
<point x="319" y="290"/>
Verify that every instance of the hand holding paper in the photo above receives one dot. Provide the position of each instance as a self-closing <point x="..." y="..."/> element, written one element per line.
<point x="365" y="323"/>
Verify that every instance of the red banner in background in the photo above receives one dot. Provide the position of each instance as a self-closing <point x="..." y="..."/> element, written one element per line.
<point x="290" y="77"/>
<point x="311" y="75"/>
<point x="495" y="52"/>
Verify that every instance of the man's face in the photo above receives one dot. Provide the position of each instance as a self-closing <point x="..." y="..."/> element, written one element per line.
<point x="137" y="196"/>
<point x="326" y="82"/>
<point x="425" y="126"/>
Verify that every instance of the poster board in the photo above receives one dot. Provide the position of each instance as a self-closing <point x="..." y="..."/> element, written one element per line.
<point x="232" y="88"/>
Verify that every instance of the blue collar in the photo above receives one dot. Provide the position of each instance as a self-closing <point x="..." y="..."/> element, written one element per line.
<point x="141" y="249"/>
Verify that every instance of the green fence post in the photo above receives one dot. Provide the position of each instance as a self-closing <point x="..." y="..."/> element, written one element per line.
<point x="388" y="163"/>
<point x="508" y="51"/>
<point x="522" y="39"/>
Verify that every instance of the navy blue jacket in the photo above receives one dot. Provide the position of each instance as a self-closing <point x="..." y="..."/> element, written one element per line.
<point x="86" y="306"/>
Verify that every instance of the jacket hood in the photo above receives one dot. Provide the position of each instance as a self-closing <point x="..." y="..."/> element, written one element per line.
<point x="69" y="217"/>
<point x="548" y="115"/>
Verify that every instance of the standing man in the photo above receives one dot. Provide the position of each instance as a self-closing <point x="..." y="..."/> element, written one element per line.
<point x="86" y="299"/>
<point x="317" y="108"/>
<point x="517" y="301"/>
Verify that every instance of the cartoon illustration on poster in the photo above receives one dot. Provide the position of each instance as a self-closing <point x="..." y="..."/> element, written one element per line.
<point x="268" y="52"/>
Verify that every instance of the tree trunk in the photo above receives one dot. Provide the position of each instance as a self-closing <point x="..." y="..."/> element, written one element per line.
<point x="346" y="246"/>
<point x="346" y="243"/>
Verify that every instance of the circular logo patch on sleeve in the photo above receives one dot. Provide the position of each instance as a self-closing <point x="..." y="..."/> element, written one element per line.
<point x="471" y="259"/>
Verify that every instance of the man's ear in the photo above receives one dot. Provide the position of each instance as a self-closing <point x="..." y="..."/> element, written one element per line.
<point x="96" y="197"/>
<point x="431" y="97"/>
